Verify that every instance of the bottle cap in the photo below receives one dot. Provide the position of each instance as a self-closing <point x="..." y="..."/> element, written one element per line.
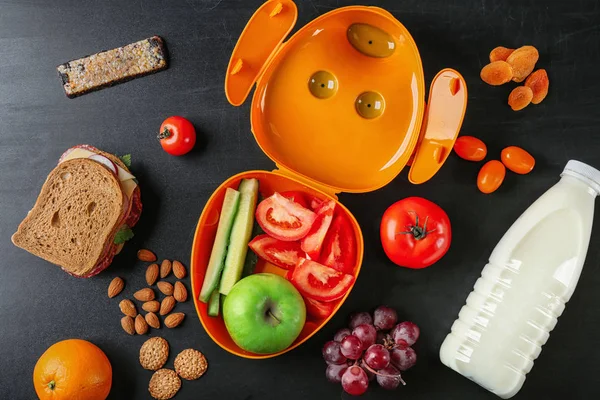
<point x="588" y="174"/>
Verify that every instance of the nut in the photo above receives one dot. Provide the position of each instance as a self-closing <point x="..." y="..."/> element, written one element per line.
<point x="497" y="73"/>
<point x="165" y="287"/>
<point x="154" y="353"/>
<point x="145" y="294"/>
<point x="164" y="384"/>
<point x="167" y="305"/>
<point x="520" y="98"/>
<point x="500" y="53"/>
<point x="165" y="268"/>
<point x="179" y="270"/>
<point x="190" y="364"/>
<point x="141" y="327"/>
<point x="174" y="320"/>
<point x="146" y="255"/>
<point x="151" y="274"/>
<point x="522" y="61"/>
<point x="151" y="306"/>
<point x="539" y="83"/>
<point x="128" y="325"/>
<point x="116" y="286"/>
<point x="152" y="320"/>
<point x="128" y="308"/>
<point x="180" y="292"/>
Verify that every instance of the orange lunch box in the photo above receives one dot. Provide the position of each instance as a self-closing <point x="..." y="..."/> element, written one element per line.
<point x="339" y="107"/>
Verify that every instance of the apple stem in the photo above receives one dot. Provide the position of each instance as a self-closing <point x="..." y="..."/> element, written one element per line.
<point x="272" y="316"/>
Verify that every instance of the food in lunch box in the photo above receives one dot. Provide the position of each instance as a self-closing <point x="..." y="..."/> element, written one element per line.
<point x="84" y="212"/>
<point x="364" y="351"/>
<point x="470" y="148"/>
<point x="517" y="160"/>
<point x="112" y="67"/>
<point x="539" y="84"/>
<point x="415" y="232"/>
<point x="164" y="384"/>
<point x="491" y="176"/>
<point x="319" y="282"/>
<point x="522" y="62"/>
<point x="284" y="219"/>
<point x="72" y="369"/>
<point x="154" y="353"/>
<point x="500" y="53"/>
<point x="264" y="313"/>
<point x="520" y="97"/>
<point x="177" y="136"/>
<point x="190" y="364"/>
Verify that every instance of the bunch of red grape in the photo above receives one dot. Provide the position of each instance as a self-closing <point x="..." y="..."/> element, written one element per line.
<point x="372" y="347"/>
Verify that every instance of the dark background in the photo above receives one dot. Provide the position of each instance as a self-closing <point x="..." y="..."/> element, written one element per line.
<point x="40" y="304"/>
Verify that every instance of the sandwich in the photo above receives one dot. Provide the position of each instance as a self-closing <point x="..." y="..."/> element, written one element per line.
<point x="84" y="212"/>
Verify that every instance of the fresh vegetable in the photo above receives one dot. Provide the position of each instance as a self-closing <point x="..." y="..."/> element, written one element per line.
<point x="277" y="252"/>
<point x="104" y="161"/>
<point x="251" y="257"/>
<point x="491" y="176"/>
<point x="339" y="247"/>
<point x="470" y="148"/>
<point x="315" y="203"/>
<point x="177" y="136"/>
<point x="318" y="309"/>
<point x="296" y="197"/>
<point x="126" y="159"/>
<point x="219" y="250"/>
<point x="517" y="160"/>
<point x="124" y="234"/>
<point x="214" y="303"/>
<point x="319" y="282"/>
<point x="240" y="235"/>
<point x="284" y="219"/>
<point x="415" y="232"/>
<point x="313" y="242"/>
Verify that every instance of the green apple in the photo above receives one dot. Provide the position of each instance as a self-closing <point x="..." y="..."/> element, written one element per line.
<point x="264" y="313"/>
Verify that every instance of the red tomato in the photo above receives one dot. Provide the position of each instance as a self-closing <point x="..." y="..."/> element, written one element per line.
<point x="318" y="309"/>
<point x="517" y="160"/>
<point x="277" y="252"/>
<point x="312" y="242"/>
<point x="284" y="219"/>
<point x="491" y="176"/>
<point x="470" y="148"/>
<point x="316" y="203"/>
<point x="415" y="232"/>
<point x="339" y="248"/>
<point x="177" y="136"/>
<point x="319" y="282"/>
<point x="297" y="197"/>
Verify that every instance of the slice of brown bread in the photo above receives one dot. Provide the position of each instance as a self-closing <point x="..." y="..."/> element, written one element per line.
<point x="74" y="216"/>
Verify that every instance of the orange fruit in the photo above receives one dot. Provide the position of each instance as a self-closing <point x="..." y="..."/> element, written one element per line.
<point x="72" y="369"/>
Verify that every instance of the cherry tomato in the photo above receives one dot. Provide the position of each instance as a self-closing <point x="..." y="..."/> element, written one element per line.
<point x="470" y="148"/>
<point x="284" y="219"/>
<point x="277" y="252"/>
<point x="177" y="136"/>
<point x="297" y="197"/>
<point x="339" y="246"/>
<point x="313" y="242"/>
<point x="415" y="232"/>
<point x="517" y="160"/>
<point x="319" y="282"/>
<point x="491" y="176"/>
<point x="318" y="309"/>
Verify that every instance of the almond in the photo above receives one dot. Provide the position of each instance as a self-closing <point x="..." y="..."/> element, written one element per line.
<point x="128" y="308"/>
<point x="165" y="268"/>
<point x="145" y="294"/>
<point x="152" y="320"/>
<point x="141" y="326"/>
<point x="179" y="270"/>
<point x="165" y="287"/>
<point x="116" y="286"/>
<point x="128" y="325"/>
<point x="146" y="255"/>
<point x="167" y="305"/>
<point x="151" y="306"/>
<point x="174" y="320"/>
<point x="152" y="274"/>
<point x="180" y="292"/>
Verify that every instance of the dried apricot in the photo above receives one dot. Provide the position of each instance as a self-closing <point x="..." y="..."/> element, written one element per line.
<point x="497" y="73"/>
<point x="522" y="61"/>
<point x="539" y="83"/>
<point x="491" y="176"/>
<point x="517" y="160"/>
<point x="500" y="53"/>
<point x="520" y="98"/>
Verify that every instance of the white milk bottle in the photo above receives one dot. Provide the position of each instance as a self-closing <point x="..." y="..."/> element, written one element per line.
<point x="523" y="289"/>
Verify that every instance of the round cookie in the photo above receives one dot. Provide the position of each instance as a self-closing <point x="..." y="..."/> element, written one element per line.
<point x="164" y="384"/>
<point x="190" y="364"/>
<point x="154" y="353"/>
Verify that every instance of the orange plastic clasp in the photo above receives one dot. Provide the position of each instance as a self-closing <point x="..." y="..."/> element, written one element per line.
<point x="328" y="190"/>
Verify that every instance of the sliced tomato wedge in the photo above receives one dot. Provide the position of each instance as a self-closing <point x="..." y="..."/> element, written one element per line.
<point x="284" y="219"/>
<point x="277" y="252"/>
<point x="315" y="203"/>
<point x="319" y="282"/>
<point x="296" y="197"/>
<point x="312" y="242"/>
<point x="318" y="309"/>
<point x="339" y="247"/>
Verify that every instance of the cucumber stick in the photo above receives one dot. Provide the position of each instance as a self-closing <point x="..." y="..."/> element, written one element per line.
<point x="219" y="250"/>
<point x="214" y="303"/>
<point x="240" y="235"/>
